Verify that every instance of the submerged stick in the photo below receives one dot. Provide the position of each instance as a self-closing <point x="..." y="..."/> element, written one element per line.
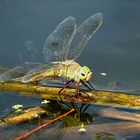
<point x="108" y="98"/>
<point x="45" y="124"/>
<point x="37" y="112"/>
<point x="28" y="114"/>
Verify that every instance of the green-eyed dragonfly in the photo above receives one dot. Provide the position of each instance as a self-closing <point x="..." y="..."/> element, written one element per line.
<point x="62" y="48"/>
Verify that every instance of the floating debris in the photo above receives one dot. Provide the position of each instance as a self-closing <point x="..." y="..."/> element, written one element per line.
<point x="45" y="102"/>
<point x="17" y="106"/>
<point x="82" y="129"/>
<point x="103" y="73"/>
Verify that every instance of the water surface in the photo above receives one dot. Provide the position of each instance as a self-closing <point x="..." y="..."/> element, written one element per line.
<point x="114" y="49"/>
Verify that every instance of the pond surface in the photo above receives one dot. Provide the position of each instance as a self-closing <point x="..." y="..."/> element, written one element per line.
<point x="113" y="54"/>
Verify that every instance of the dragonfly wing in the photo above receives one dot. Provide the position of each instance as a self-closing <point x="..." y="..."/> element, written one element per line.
<point x="18" y="71"/>
<point x="83" y="34"/>
<point x="56" y="44"/>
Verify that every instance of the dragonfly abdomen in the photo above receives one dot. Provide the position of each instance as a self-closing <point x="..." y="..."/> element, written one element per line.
<point x="62" y="70"/>
<point x="47" y="73"/>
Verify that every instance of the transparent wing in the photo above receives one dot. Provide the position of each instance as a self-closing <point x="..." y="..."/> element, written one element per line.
<point x="83" y="34"/>
<point x="18" y="71"/>
<point x="54" y="49"/>
<point x="57" y="43"/>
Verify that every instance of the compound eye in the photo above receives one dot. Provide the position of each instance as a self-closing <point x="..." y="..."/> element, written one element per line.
<point x="82" y="74"/>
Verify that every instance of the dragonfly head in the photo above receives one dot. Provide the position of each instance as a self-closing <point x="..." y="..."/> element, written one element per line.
<point x="85" y="73"/>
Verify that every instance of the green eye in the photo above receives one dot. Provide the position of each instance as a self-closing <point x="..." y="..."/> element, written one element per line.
<point x="84" y="72"/>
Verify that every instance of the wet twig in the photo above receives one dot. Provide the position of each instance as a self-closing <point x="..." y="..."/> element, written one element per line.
<point x="45" y="124"/>
<point x="105" y="98"/>
<point x="26" y="115"/>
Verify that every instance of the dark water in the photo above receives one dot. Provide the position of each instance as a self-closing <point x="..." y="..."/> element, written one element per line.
<point x="114" y="49"/>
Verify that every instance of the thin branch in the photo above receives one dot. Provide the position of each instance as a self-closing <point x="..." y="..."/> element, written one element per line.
<point x="28" y="114"/>
<point x="45" y="124"/>
<point x="105" y="98"/>
<point x="36" y="112"/>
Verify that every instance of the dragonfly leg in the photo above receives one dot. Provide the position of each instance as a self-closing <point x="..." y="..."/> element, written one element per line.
<point x="88" y="85"/>
<point x="84" y="109"/>
<point x="66" y="85"/>
<point x="91" y="85"/>
<point x="78" y="89"/>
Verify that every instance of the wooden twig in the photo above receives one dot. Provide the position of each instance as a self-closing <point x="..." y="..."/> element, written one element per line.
<point x="108" y="98"/>
<point x="28" y="114"/>
<point x="45" y="124"/>
<point x="36" y="112"/>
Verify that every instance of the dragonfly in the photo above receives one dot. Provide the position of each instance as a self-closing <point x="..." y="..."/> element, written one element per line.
<point x="62" y="47"/>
